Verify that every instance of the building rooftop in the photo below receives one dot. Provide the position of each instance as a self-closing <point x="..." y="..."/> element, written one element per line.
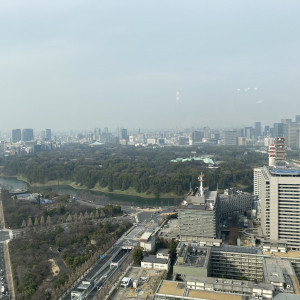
<point x="293" y="254"/>
<point x="146" y="236"/>
<point x="206" y="201"/>
<point x="83" y="286"/>
<point x="194" y="256"/>
<point x="228" y="282"/>
<point x="174" y="288"/>
<point x="237" y="249"/>
<point x="212" y="295"/>
<point x="273" y="272"/>
<point x="154" y="259"/>
<point x="285" y="172"/>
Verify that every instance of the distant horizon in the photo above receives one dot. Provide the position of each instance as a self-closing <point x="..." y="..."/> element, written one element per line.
<point x="114" y="129"/>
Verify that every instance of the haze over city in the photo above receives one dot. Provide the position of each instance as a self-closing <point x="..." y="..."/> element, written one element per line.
<point x="151" y="64"/>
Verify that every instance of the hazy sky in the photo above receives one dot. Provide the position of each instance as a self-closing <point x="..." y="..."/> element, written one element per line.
<point x="134" y="63"/>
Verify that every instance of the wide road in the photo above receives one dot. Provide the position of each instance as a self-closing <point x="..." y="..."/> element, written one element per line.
<point x="4" y="235"/>
<point x="101" y="271"/>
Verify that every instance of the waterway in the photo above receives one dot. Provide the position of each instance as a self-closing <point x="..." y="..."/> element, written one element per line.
<point x="12" y="183"/>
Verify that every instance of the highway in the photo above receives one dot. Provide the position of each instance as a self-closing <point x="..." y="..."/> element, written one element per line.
<point x="101" y="271"/>
<point x="4" y="235"/>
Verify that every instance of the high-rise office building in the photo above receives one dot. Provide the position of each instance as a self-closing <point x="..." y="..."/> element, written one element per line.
<point x="197" y="137"/>
<point x="257" y="129"/>
<point x="16" y="135"/>
<point x="27" y="135"/>
<point x="267" y="131"/>
<point x="97" y="134"/>
<point x="48" y="135"/>
<point x="290" y="132"/>
<point x="279" y="192"/>
<point x="229" y="138"/>
<point x="43" y="135"/>
<point x="124" y="135"/>
<point x="278" y="130"/>
<point x="249" y="132"/>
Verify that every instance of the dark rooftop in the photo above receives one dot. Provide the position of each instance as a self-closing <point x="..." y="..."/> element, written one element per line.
<point x="236" y="249"/>
<point x="154" y="259"/>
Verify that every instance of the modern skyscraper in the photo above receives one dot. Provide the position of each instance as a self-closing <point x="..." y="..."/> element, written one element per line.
<point x="279" y="193"/>
<point x="48" y="135"/>
<point x="257" y="129"/>
<point x="43" y="135"/>
<point x="16" y="135"/>
<point x="197" y="137"/>
<point x="27" y="135"/>
<point x="278" y="130"/>
<point x="290" y="132"/>
<point x="229" y="138"/>
<point x="97" y="134"/>
<point x="267" y="131"/>
<point x="124" y="135"/>
<point x="249" y="132"/>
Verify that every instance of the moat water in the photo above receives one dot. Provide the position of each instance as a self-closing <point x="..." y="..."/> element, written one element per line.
<point x="95" y="196"/>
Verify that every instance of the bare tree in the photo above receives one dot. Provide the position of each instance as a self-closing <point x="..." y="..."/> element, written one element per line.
<point x="24" y="223"/>
<point x="69" y="218"/>
<point x="75" y="217"/>
<point x="81" y="218"/>
<point x="29" y="222"/>
<point x="36" y="222"/>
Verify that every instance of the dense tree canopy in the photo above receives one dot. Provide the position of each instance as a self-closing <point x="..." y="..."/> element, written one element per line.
<point x="145" y="170"/>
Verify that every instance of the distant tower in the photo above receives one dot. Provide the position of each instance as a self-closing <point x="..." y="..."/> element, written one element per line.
<point x="48" y="134"/>
<point x="27" y="134"/>
<point x="16" y="135"/>
<point x="257" y="129"/>
<point x="124" y="135"/>
<point x="280" y="151"/>
<point x="43" y="135"/>
<point x="272" y="155"/>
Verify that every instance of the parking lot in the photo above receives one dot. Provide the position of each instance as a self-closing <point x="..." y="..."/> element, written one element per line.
<point x="147" y="282"/>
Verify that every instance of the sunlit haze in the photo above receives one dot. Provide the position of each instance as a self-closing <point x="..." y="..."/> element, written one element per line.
<point x="152" y="64"/>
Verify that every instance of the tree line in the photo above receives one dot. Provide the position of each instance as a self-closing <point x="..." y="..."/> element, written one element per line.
<point x="143" y="170"/>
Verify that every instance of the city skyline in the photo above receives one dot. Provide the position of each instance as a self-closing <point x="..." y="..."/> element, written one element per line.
<point x="148" y="64"/>
<point x="262" y="126"/>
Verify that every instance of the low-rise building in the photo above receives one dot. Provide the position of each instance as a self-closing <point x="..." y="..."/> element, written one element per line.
<point x="153" y="262"/>
<point x="147" y="241"/>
